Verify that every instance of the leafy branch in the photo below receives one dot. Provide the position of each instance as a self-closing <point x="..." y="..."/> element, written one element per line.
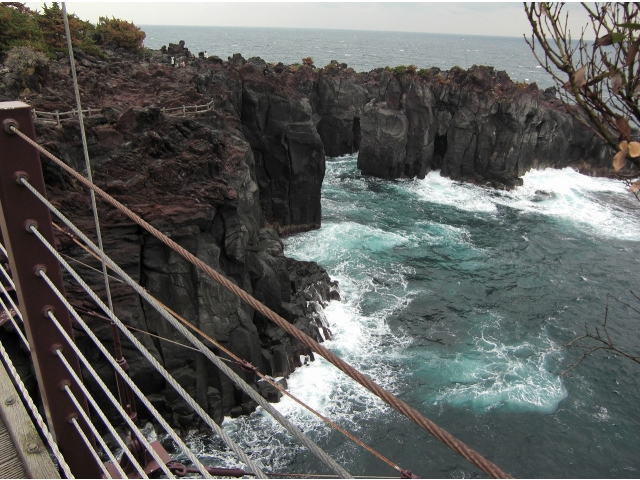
<point x="598" y="82"/>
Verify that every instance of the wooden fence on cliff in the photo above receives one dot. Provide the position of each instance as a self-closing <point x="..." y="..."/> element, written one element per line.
<point x="56" y="117"/>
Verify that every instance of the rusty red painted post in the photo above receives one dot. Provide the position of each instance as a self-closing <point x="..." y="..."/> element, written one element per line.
<point x="18" y="208"/>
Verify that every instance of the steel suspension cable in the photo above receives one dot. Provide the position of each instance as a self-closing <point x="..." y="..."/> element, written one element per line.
<point x="105" y="389"/>
<point x="15" y="325"/>
<point x="155" y="364"/>
<point x="15" y="307"/>
<point x="44" y="429"/>
<point x="83" y="134"/>
<point x="291" y="428"/>
<point x="243" y="364"/>
<point x="402" y="407"/>
<point x="103" y="417"/>
<point x="92" y="450"/>
<point x="4" y="272"/>
<point x="88" y="421"/>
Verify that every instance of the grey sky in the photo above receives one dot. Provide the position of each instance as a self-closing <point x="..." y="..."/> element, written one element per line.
<point x="500" y="18"/>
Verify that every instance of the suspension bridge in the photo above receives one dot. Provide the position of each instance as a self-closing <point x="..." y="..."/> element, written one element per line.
<point x="64" y="438"/>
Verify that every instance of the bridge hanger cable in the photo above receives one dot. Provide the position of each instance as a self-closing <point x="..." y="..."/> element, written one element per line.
<point x="105" y="389"/>
<point x="154" y="363"/>
<point x="15" y="324"/>
<point x="44" y="429"/>
<point x="88" y="421"/>
<point x="402" y="407"/>
<point x="85" y="149"/>
<point x="103" y="417"/>
<point x="15" y="307"/>
<point x="295" y="431"/>
<point x="90" y="447"/>
<point x="244" y="365"/>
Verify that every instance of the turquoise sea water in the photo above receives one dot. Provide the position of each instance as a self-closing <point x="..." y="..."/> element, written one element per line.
<point x="457" y="298"/>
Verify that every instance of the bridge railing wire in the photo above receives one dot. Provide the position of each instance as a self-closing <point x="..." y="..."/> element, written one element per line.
<point x="402" y="407"/>
<point x="102" y="416"/>
<point x="31" y="406"/>
<point x="72" y="396"/>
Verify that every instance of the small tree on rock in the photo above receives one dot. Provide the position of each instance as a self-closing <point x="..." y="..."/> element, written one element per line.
<point x="598" y="81"/>
<point x="119" y="34"/>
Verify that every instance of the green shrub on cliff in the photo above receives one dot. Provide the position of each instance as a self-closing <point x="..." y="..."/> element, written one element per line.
<point x="44" y="31"/>
<point x="52" y="26"/>
<point x="119" y="34"/>
<point x="18" y="27"/>
<point x="400" y="70"/>
<point x="29" y="66"/>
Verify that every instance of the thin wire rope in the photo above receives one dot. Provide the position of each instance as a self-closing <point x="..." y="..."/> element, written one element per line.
<point x="167" y="376"/>
<point x="15" y="325"/>
<point x="4" y="272"/>
<point x="244" y="386"/>
<point x="94" y="207"/>
<point x="87" y="442"/>
<point x="44" y="429"/>
<point x="15" y="307"/>
<point x="88" y="421"/>
<point x="402" y="407"/>
<point x="103" y="417"/>
<point x="102" y="385"/>
<point x="88" y="266"/>
<point x="117" y="367"/>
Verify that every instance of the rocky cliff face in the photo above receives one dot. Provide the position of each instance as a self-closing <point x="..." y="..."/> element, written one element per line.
<point x="474" y="125"/>
<point x="226" y="182"/>
<point x="195" y="178"/>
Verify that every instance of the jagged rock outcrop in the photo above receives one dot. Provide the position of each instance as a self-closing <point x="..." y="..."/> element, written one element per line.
<point x="339" y="105"/>
<point x="194" y="178"/>
<point x="474" y="125"/>
<point x="278" y="123"/>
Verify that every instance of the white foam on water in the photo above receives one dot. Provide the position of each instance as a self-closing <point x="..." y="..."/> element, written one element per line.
<point x="601" y="206"/>
<point x="442" y="190"/>
<point x="325" y="389"/>
<point x="598" y="206"/>
<point x="493" y="375"/>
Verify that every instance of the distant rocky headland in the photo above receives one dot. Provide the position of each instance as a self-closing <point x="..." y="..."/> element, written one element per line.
<point x="227" y="182"/>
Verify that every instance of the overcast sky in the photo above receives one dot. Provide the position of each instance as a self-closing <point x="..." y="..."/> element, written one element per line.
<point x="500" y="18"/>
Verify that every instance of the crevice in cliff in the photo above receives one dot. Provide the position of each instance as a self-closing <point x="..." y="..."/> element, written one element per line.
<point x="357" y="135"/>
<point x="439" y="151"/>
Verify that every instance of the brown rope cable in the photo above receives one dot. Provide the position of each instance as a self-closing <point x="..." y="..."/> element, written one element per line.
<point x="411" y="413"/>
<point x="240" y="362"/>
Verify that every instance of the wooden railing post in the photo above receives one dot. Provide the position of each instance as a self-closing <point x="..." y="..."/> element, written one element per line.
<point x="19" y="208"/>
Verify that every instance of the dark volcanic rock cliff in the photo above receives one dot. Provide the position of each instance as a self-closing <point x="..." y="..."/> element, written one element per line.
<point x="225" y="182"/>
<point x="195" y="178"/>
<point x="474" y="125"/>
